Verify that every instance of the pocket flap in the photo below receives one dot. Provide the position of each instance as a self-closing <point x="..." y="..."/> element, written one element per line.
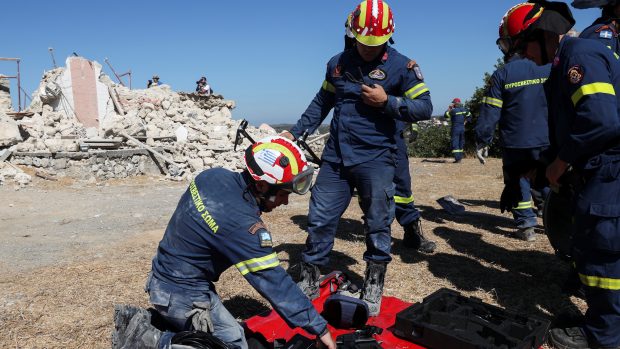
<point x="605" y="210"/>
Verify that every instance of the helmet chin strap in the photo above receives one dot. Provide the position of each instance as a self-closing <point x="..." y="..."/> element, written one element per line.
<point x="264" y="198"/>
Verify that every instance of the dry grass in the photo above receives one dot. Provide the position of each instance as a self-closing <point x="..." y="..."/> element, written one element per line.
<point x="71" y="305"/>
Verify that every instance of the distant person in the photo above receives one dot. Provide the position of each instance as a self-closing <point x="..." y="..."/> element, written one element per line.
<point x="458" y="117"/>
<point x="155" y="81"/>
<point x="605" y="28"/>
<point x="149" y="83"/>
<point x="203" y="88"/>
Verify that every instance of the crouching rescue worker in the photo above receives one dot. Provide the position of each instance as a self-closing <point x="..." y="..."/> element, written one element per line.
<point x="516" y="100"/>
<point x="583" y="95"/>
<point x="217" y="225"/>
<point x="370" y="88"/>
<point x="458" y="117"/>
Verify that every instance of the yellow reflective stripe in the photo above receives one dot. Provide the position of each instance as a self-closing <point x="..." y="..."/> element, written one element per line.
<point x="616" y="55"/>
<point x="282" y="149"/>
<point x="593" y="88"/>
<point x="403" y="200"/>
<point x="362" y="21"/>
<point x="600" y="282"/>
<point x="416" y="90"/>
<point x="493" y="101"/>
<point x="386" y="15"/>
<point x="461" y="113"/>
<point x="524" y="205"/>
<point x="257" y="264"/>
<point x="457" y="151"/>
<point x="447" y="115"/>
<point x="328" y="87"/>
<point x="415" y="127"/>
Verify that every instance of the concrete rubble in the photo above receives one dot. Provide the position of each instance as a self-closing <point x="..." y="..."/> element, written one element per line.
<point x="82" y="125"/>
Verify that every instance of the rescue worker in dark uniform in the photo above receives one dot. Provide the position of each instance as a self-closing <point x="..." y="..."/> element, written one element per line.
<point x="516" y="100"/>
<point x="458" y="117"/>
<point x="217" y="225"/>
<point x="605" y="28"/>
<point x="369" y="88"/>
<point x="584" y="121"/>
<point x="406" y="214"/>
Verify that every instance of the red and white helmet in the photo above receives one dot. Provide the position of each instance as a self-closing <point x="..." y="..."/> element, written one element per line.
<point x="279" y="162"/>
<point x="522" y="20"/>
<point x="372" y="23"/>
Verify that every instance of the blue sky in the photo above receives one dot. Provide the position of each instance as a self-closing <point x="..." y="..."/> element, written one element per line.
<point x="268" y="56"/>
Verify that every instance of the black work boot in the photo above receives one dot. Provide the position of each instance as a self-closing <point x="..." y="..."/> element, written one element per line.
<point x="414" y="238"/>
<point x="568" y="338"/>
<point x="309" y="280"/>
<point x="139" y="332"/>
<point x="373" y="286"/>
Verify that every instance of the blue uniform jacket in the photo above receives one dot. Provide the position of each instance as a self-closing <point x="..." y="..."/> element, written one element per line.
<point x="583" y="114"/>
<point x="516" y="99"/>
<point x="358" y="132"/>
<point x="217" y="225"/>
<point x="604" y="31"/>
<point x="457" y="117"/>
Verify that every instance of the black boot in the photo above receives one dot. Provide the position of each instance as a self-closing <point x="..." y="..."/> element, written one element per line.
<point x="309" y="280"/>
<point x="414" y="238"/>
<point x="122" y="316"/>
<point x="373" y="286"/>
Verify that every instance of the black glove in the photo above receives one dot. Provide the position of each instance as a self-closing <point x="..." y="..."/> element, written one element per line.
<point x="413" y="136"/>
<point x="511" y="196"/>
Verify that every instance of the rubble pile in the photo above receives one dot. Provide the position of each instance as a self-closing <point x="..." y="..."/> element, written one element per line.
<point x="97" y="129"/>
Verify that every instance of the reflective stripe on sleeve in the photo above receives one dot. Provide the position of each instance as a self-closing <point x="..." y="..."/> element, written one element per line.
<point x="493" y="101"/>
<point x="416" y="90"/>
<point x="590" y="89"/>
<point x="328" y="87"/>
<point x="403" y="200"/>
<point x="600" y="282"/>
<point x="257" y="264"/>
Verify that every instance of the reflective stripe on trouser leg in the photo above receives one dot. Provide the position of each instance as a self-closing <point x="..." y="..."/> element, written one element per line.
<point x="329" y="199"/>
<point x="457" y="143"/>
<point x="523" y="214"/>
<point x="405" y="210"/>
<point x="374" y="183"/>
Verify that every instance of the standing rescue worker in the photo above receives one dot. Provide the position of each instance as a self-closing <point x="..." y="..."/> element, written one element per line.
<point x="458" y="117"/>
<point x="370" y="88"/>
<point x="407" y="215"/>
<point x="217" y="225"/>
<point x="605" y="28"/>
<point x="516" y="100"/>
<point x="583" y="101"/>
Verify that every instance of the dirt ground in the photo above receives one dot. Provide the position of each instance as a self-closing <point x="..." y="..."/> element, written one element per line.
<point x="70" y="250"/>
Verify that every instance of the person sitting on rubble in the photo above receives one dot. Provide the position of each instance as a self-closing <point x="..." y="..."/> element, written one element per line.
<point x="155" y="81"/>
<point x="203" y="88"/>
<point x="216" y="225"/>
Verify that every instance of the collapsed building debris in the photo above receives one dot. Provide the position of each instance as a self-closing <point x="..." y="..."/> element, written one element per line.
<point x="83" y="125"/>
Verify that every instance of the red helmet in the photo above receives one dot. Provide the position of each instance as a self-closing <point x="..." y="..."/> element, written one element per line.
<point x="279" y="162"/>
<point x="372" y="23"/>
<point x="523" y="19"/>
<point x="456" y="100"/>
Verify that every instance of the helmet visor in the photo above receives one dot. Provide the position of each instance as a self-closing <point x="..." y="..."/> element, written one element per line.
<point x="302" y="182"/>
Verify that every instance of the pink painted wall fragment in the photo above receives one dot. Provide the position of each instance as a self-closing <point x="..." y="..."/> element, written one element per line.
<point x="84" y="88"/>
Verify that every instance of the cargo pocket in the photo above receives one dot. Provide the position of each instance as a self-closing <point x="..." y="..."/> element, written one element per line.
<point x="158" y="296"/>
<point x="389" y="194"/>
<point x="604" y="233"/>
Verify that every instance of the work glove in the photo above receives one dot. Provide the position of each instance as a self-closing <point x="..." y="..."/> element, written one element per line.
<point x="201" y="316"/>
<point x="482" y="151"/>
<point x="511" y="195"/>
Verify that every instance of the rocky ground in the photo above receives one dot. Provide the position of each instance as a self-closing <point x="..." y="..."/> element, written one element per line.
<point x="70" y="250"/>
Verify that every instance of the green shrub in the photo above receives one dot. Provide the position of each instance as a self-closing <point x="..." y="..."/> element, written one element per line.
<point x="433" y="142"/>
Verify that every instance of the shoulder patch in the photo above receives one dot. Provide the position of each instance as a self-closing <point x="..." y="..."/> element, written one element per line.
<point x="413" y="65"/>
<point x="265" y="238"/>
<point x="606" y="34"/>
<point x="256" y="227"/>
<point x="575" y="74"/>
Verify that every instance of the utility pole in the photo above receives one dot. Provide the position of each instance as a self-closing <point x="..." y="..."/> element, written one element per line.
<point x="51" y="49"/>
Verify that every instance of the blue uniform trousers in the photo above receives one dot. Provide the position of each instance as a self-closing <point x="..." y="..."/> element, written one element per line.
<point x="597" y="252"/>
<point x="173" y="303"/>
<point x="457" y="143"/>
<point x="331" y="195"/>
<point x="406" y="212"/>
<point x="523" y="214"/>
